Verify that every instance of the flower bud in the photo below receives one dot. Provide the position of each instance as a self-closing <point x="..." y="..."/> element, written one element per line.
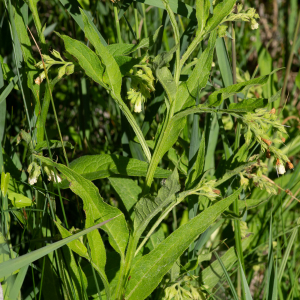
<point x="281" y="169"/>
<point x="268" y="142"/>
<point x="34" y="171"/>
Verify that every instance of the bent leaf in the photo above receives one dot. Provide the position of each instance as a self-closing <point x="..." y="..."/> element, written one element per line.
<point x="19" y="200"/>
<point x="87" y="59"/>
<point x="160" y="260"/>
<point x="147" y="208"/>
<point x="93" y="204"/>
<point x="112" y="69"/>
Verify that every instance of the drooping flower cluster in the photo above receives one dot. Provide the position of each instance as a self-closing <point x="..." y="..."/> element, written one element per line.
<point x="142" y="84"/>
<point x="255" y="175"/>
<point x="257" y="126"/>
<point x="248" y="15"/>
<point x="34" y="171"/>
<point x="184" y="289"/>
<point x="207" y="189"/>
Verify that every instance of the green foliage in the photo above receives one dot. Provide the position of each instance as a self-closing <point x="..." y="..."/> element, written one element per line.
<point x="174" y="142"/>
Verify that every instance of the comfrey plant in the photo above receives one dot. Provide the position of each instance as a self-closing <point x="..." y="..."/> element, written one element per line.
<point x="131" y="242"/>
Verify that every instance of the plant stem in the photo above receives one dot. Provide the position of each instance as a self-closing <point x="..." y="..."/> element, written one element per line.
<point x="145" y="22"/>
<point x="237" y="228"/>
<point x="37" y="22"/>
<point x="137" y="32"/>
<point x="177" y="40"/>
<point x="288" y="68"/>
<point x="117" y="24"/>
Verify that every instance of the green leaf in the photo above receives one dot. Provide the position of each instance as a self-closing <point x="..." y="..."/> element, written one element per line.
<point x="217" y="97"/>
<point x="221" y="10"/>
<point x="126" y="63"/>
<point x="235" y="296"/>
<point x="202" y="14"/>
<point x="52" y="145"/>
<point x="147" y="207"/>
<point x="167" y="81"/>
<point x="8" y="267"/>
<point x="129" y="192"/>
<point x="245" y="283"/>
<point x="125" y="49"/>
<point x="231" y="173"/>
<point x="160" y="260"/>
<point x="94" y="167"/>
<point x="73" y="8"/>
<point x="187" y="91"/>
<point x="77" y="246"/>
<point x="178" y="7"/>
<point x="87" y="59"/>
<point x="198" y="166"/>
<point x="19" y="200"/>
<point x="112" y="69"/>
<point x="94" y="204"/>
<point x="249" y="105"/>
<point x="211" y="275"/>
<point x="4" y="183"/>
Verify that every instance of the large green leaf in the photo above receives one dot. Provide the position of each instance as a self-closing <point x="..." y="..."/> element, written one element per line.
<point x="112" y="69"/>
<point x="94" y="205"/>
<point x="160" y="260"/>
<point x="8" y="267"/>
<point x="188" y="90"/>
<point x="94" y="167"/>
<point x="148" y="207"/>
<point x="87" y="59"/>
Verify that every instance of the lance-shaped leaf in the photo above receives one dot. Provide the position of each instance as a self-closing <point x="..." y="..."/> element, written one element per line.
<point x="125" y="49"/>
<point x="160" y="260"/>
<point x="167" y="81"/>
<point x="93" y="204"/>
<point x="249" y="105"/>
<point x="197" y="81"/>
<point x="147" y="208"/>
<point x="87" y="59"/>
<point x="221" y="10"/>
<point x="112" y="69"/>
<point x="202" y="14"/>
<point x="217" y="97"/>
<point x="94" y="167"/>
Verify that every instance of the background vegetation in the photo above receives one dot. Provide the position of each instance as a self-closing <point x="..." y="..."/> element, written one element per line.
<point x="87" y="118"/>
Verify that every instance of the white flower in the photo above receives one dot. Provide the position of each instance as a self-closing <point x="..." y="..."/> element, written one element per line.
<point x="32" y="180"/>
<point x="213" y="64"/>
<point x="138" y="107"/>
<point x="281" y="169"/>
<point x="254" y="24"/>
